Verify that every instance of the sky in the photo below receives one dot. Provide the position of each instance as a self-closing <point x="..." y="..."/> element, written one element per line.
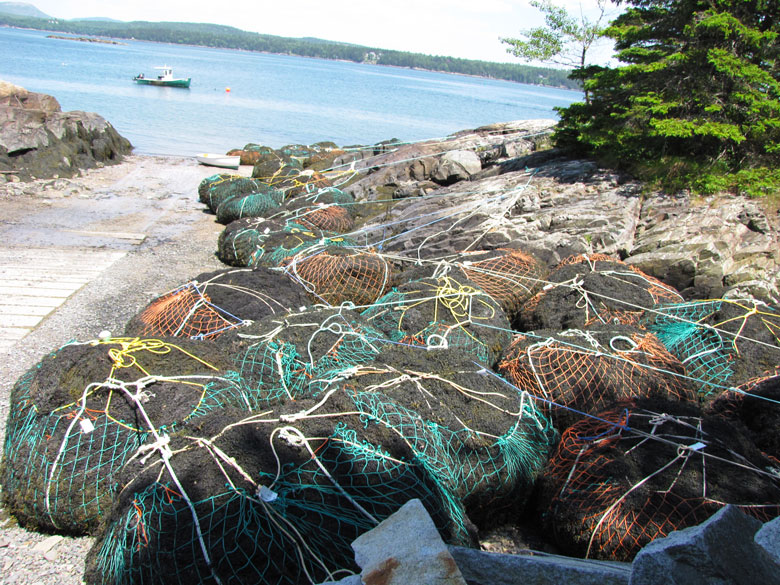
<point x="469" y="29"/>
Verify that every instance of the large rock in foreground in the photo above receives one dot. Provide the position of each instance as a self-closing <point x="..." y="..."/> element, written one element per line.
<point x="39" y="140"/>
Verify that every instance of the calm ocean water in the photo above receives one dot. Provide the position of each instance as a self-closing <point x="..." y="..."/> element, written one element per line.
<point x="273" y="100"/>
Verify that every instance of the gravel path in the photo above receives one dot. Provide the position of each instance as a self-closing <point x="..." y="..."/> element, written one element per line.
<point x="153" y="196"/>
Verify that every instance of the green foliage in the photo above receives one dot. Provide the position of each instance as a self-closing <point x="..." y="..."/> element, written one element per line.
<point x="218" y="36"/>
<point x="697" y="103"/>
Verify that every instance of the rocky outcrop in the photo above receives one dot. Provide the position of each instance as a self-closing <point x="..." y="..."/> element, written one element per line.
<point x="39" y="140"/>
<point x="495" y="187"/>
<point x="697" y="555"/>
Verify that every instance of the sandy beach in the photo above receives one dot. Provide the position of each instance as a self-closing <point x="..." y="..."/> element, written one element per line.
<point x="142" y="223"/>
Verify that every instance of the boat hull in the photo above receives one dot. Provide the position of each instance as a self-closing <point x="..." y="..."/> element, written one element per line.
<point x="219" y="160"/>
<point x="185" y="83"/>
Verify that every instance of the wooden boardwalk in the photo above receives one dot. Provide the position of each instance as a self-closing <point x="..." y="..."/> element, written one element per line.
<point x="35" y="281"/>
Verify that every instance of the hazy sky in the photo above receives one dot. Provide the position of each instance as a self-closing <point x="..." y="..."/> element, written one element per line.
<point x="459" y="28"/>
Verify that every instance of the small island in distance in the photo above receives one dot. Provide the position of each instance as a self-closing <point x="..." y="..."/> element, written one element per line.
<point x="85" y="39"/>
<point x="23" y="15"/>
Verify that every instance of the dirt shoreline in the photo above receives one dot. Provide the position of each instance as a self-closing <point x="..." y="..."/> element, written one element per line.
<point x="151" y="195"/>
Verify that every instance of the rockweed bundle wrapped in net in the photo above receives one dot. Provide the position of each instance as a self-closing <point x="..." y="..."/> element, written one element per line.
<point x="578" y="371"/>
<point x="74" y="421"/>
<point x="510" y="276"/>
<point x="584" y="291"/>
<point x="260" y="204"/>
<point x="641" y="471"/>
<point x="298" y="354"/>
<point x="330" y="217"/>
<point x="290" y="177"/>
<point x="335" y="275"/>
<point x="215" y="302"/>
<point x="320" y="472"/>
<point x="443" y="312"/>
<point x="216" y="189"/>
<point x="324" y="196"/>
<point x="258" y="242"/>
<point x="721" y="342"/>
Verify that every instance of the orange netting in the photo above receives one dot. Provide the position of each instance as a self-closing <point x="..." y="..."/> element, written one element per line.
<point x="600" y="504"/>
<point x="588" y="372"/>
<point x="510" y="277"/>
<point x="332" y="218"/>
<point x="584" y="290"/>
<point x="186" y="312"/>
<point x="337" y="275"/>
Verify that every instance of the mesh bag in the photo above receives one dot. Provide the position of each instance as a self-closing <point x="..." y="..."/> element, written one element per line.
<point x="721" y="342"/>
<point x="298" y="354"/>
<point x="443" y="312"/>
<point x="324" y="196"/>
<point x="335" y="275"/>
<point x="256" y="242"/>
<point x="583" y="291"/>
<point x="293" y="180"/>
<point x="206" y="184"/>
<point x="278" y="497"/>
<point x="273" y="168"/>
<point x="511" y="277"/>
<point x="225" y="187"/>
<point x="74" y="423"/>
<point x="575" y="371"/>
<point x="260" y="204"/>
<point x="219" y="510"/>
<point x="489" y="464"/>
<point x="641" y="471"/>
<point x="215" y="302"/>
<point x="332" y="218"/>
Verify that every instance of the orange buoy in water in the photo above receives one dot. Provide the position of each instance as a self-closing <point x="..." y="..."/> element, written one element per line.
<point x="227" y="90"/>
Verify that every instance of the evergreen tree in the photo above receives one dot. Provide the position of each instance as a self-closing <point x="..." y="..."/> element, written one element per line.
<point x="697" y="103"/>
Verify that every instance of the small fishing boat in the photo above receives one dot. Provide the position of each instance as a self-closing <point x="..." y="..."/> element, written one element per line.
<point x="219" y="160"/>
<point x="166" y="79"/>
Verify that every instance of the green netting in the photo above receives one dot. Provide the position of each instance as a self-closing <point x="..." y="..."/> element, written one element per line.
<point x="702" y="349"/>
<point x="219" y="188"/>
<point x="260" y="204"/>
<point x="299" y="532"/>
<point x="278" y="496"/>
<point x="443" y="312"/>
<point x="722" y="342"/>
<point x="301" y="353"/>
<point x="324" y="196"/>
<point x="208" y="182"/>
<point x="255" y="242"/>
<point x="73" y="425"/>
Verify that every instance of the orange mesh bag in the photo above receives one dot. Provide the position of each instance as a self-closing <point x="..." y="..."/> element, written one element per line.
<point x="511" y="277"/>
<point x="215" y="302"/>
<point x="336" y="275"/>
<point x="643" y="470"/>
<point x="578" y="371"/>
<point x="185" y="312"/>
<point x="332" y="218"/>
<point x="583" y="290"/>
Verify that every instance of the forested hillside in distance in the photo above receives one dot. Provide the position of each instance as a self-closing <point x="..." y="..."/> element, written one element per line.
<point x="218" y="36"/>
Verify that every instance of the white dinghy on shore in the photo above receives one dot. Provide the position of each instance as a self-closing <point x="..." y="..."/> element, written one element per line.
<point x="219" y="160"/>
